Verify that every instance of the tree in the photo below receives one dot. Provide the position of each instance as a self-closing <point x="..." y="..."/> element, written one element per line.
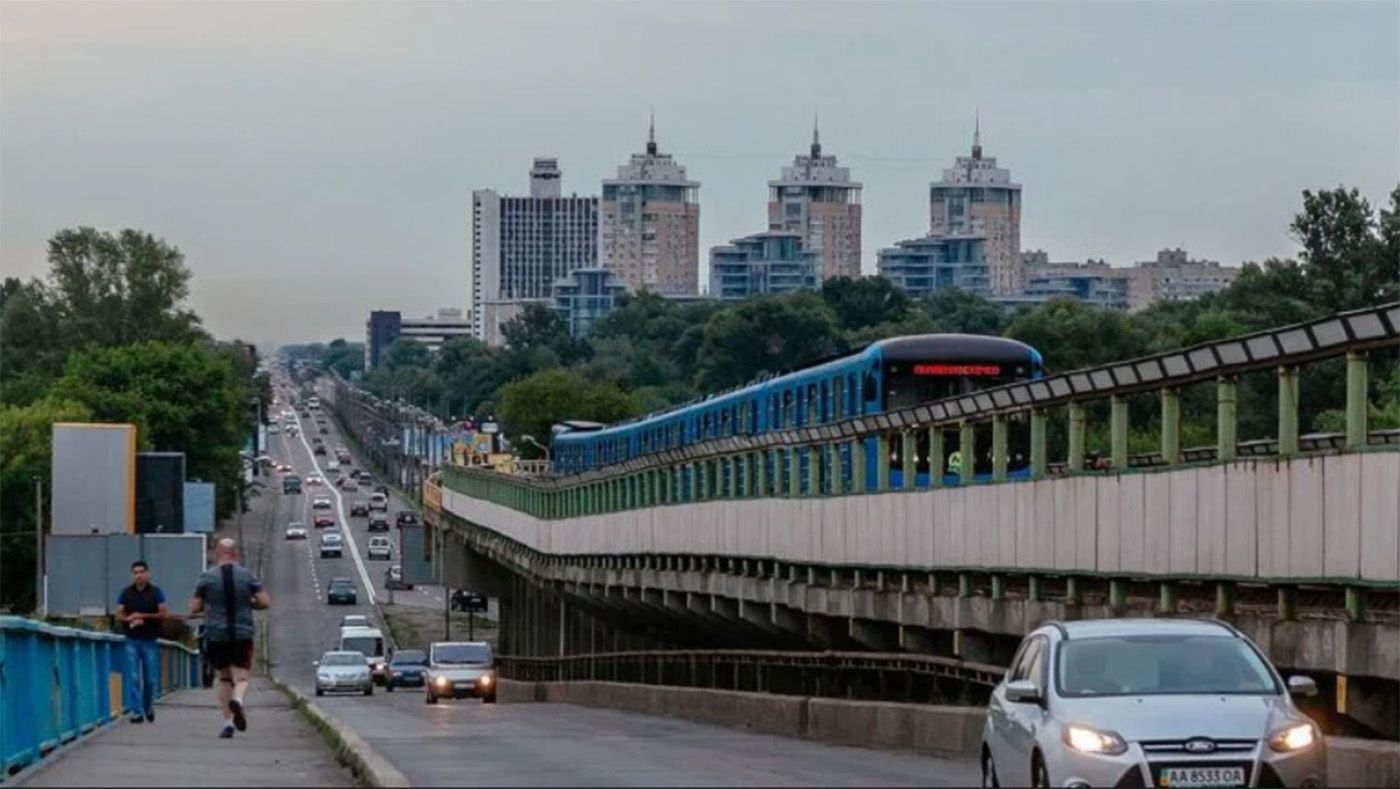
<point x="189" y="398"/>
<point x="858" y="302"/>
<point x="531" y="406"/>
<point x="1344" y="256"/>
<point x="955" y="311"/>
<point x="30" y="355"/>
<point x="405" y="353"/>
<point x="343" y="358"/>
<point x="1071" y="335"/>
<point x="119" y="289"/>
<point x="25" y="456"/>
<point x="765" y="335"/>
<point x="539" y="326"/>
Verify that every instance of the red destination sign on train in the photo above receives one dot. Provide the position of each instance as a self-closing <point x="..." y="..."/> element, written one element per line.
<point x="957" y="369"/>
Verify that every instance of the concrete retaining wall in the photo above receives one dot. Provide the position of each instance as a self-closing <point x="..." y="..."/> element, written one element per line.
<point x="1334" y="517"/>
<point x="1350" y="762"/>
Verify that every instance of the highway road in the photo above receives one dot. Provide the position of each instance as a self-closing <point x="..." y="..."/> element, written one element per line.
<point x="467" y="742"/>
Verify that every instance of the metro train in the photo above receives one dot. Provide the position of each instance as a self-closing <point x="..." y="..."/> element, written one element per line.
<point x="885" y="375"/>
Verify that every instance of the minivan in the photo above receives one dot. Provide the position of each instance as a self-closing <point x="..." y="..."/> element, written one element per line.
<point x="368" y="641"/>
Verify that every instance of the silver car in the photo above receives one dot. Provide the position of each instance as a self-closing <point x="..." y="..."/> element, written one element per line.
<point x="343" y="672"/>
<point x="1148" y="702"/>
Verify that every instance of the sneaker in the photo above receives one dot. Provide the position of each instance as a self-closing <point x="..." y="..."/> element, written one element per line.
<point x="137" y="719"/>
<point x="227" y="732"/>
<point x="151" y="716"/>
<point x="240" y="721"/>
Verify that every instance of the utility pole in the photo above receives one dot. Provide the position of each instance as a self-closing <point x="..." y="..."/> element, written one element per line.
<point x="38" y="548"/>
<point x="446" y="614"/>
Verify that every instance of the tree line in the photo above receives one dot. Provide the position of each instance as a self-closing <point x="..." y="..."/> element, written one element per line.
<point x="650" y="352"/>
<point x="106" y="337"/>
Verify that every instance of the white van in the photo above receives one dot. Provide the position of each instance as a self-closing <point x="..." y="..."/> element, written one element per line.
<point x="368" y="641"/>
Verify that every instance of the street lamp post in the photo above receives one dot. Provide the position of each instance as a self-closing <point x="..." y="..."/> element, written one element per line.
<point x="531" y="440"/>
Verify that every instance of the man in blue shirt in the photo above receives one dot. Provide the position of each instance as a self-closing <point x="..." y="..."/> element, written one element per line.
<point x="141" y="608"/>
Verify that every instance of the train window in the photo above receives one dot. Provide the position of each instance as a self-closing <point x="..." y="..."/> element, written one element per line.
<point x="869" y="388"/>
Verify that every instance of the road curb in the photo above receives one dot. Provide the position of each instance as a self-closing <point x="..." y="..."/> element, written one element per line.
<point x="350" y="748"/>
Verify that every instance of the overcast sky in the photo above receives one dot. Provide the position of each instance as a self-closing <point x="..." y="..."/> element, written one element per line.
<point x="315" y="161"/>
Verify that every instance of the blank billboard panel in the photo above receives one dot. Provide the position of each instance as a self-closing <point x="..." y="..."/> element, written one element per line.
<point x="160" y="492"/>
<point x="94" y="478"/>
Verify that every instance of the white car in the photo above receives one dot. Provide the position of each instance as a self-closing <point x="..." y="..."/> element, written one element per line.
<point x="313" y="479"/>
<point x="333" y="466"/>
<point x="332" y="545"/>
<point x="379" y="501"/>
<point x="273" y="428"/>
<point x="458" y="669"/>
<point x="380" y="548"/>
<point x="1148" y="702"/>
<point x="321" y="502"/>
<point x="343" y="671"/>
<point x="296" y="530"/>
<point x="354" y="620"/>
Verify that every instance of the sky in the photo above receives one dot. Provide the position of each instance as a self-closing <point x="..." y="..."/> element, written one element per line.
<point x="315" y="161"/>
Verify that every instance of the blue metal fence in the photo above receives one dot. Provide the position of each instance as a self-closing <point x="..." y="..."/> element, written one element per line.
<point x="57" y="683"/>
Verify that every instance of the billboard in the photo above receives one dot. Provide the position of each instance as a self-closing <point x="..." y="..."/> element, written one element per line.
<point x="199" y="507"/>
<point x="160" y="492"/>
<point x="84" y="574"/>
<point x="94" y="478"/>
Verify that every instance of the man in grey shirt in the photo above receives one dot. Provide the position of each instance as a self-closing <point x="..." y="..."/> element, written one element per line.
<point x="227" y="594"/>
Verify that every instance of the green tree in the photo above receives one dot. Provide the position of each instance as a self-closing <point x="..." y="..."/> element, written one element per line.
<point x="539" y="326"/>
<point x="1344" y="256"/>
<point x="531" y="406"/>
<point x="1072" y="335"/>
<point x="955" y="311"/>
<point x="765" y="335"/>
<point x="25" y="457"/>
<point x="858" y="302"/>
<point x="344" y="358"/>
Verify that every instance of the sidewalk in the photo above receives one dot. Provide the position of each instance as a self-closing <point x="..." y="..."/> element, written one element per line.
<point x="182" y="748"/>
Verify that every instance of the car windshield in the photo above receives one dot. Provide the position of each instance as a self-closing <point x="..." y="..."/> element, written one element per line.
<point x="330" y="538"/>
<point x="369" y="646"/>
<point x="461" y="653"/>
<point x="343" y="659"/>
<point x="1157" y="665"/>
<point x="342" y="583"/>
<point x="410" y="657"/>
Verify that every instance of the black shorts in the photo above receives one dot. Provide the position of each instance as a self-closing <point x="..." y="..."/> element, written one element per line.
<point x="227" y="654"/>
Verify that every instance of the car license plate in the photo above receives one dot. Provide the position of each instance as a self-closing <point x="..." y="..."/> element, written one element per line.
<point x="465" y="685"/>
<point x="1202" y="776"/>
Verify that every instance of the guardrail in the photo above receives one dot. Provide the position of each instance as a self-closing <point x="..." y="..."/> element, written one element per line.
<point x="897" y="676"/>
<point x="57" y="683"/>
<point x="769" y="464"/>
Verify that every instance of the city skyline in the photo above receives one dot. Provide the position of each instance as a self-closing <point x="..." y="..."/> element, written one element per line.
<point x="338" y="185"/>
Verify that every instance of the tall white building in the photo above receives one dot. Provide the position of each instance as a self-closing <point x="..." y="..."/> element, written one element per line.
<point x="521" y="245"/>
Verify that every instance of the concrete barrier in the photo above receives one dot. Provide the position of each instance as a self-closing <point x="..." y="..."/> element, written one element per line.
<point x="1353" y="762"/>
<point x="369" y="767"/>
<point x="924" y="727"/>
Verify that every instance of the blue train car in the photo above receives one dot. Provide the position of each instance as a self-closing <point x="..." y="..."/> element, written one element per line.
<point x="887" y="374"/>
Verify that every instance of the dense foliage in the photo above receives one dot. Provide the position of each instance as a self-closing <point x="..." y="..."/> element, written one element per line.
<point x="651" y="352"/>
<point x="106" y="337"/>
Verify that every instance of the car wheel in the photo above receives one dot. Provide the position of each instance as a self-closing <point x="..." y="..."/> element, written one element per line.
<point x="320" y="692"/>
<point x="431" y="698"/>
<point x="1040" y="777"/>
<point x="989" y="770"/>
<point x="369" y="691"/>
<point x="388" y="687"/>
<point x="489" y="699"/>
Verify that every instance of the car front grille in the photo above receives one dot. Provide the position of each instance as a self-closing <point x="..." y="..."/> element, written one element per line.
<point x="1172" y="747"/>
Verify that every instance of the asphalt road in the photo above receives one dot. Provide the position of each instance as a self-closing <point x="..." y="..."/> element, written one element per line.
<point x="468" y="742"/>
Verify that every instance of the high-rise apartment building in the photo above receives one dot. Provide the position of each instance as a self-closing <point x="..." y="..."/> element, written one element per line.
<point x="521" y="245"/>
<point x="818" y="200"/>
<point x="649" y="233"/>
<point x="975" y="197"/>
<point x="920" y="266"/>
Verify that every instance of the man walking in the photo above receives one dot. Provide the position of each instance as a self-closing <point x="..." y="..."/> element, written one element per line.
<point x="227" y="594"/>
<point x="141" y="607"/>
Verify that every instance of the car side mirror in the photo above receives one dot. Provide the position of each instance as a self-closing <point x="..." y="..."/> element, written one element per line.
<point x="1302" y="686"/>
<point x="1023" y="691"/>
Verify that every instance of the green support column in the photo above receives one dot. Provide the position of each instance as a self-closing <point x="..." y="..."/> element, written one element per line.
<point x="935" y="457"/>
<point x="1118" y="432"/>
<point x="1171" y="426"/>
<point x="702" y="488"/>
<point x="883" y="450"/>
<point x="1287" y="411"/>
<point x="858" y="461"/>
<point x="1075" y="461"/>
<point x="1038" y="423"/>
<point x="1356" y="400"/>
<point x="967" y="447"/>
<point x="1117" y="593"/>
<point x="1224" y="599"/>
<point x="910" y="452"/>
<point x="835" y="478"/>
<point x="761" y="473"/>
<point x="1227" y="422"/>
<point x="1356" y="603"/>
<point x="794" y="455"/>
<point x="742" y="488"/>
<point x="999" y="448"/>
<point x="814" y="470"/>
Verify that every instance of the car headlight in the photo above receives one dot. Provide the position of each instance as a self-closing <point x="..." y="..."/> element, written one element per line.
<point x="440" y="681"/>
<point x="486" y="679"/>
<point x="1293" y="737"/>
<point x="324" y="677"/>
<point x="1087" y="740"/>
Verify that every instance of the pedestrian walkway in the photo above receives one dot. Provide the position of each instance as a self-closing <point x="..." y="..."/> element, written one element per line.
<point x="182" y="748"/>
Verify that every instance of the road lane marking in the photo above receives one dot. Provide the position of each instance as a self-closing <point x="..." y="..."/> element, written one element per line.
<point x="346" y="532"/>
